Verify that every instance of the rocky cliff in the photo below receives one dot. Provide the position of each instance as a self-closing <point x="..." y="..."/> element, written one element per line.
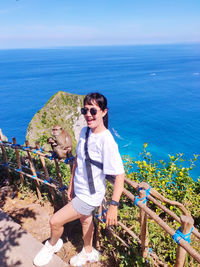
<point x="63" y="109"/>
<point x="2" y="136"/>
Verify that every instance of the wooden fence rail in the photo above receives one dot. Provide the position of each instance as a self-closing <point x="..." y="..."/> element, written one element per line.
<point x="145" y="192"/>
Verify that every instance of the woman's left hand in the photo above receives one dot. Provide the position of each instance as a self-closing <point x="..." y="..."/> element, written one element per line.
<point x="111" y="216"/>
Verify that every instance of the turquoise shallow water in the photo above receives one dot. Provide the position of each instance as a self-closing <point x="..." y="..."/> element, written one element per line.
<point x="153" y="92"/>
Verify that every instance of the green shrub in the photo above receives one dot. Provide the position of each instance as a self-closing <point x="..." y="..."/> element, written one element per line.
<point x="170" y="178"/>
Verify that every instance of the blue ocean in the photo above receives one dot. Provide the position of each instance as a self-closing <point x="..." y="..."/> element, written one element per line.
<point x="153" y="92"/>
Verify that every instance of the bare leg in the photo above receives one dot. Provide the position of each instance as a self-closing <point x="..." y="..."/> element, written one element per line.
<point x="88" y="231"/>
<point x="57" y="221"/>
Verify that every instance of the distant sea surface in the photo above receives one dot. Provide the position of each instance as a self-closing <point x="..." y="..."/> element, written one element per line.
<point x="153" y="92"/>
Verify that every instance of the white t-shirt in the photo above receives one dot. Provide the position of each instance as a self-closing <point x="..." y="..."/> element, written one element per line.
<point x="102" y="148"/>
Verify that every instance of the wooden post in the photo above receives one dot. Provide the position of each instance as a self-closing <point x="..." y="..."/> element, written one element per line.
<point x="144" y="228"/>
<point x="42" y="159"/>
<point x="18" y="161"/>
<point x="163" y="199"/>
<point x="186" y="225"/>
<point x="5" y="158"/>
<point x="60" y="181"/>
<point x="33" y="172"/>
<point x="165" y="226"/>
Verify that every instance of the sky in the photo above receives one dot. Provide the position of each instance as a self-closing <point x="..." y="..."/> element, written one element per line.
<point x="58" y="23"/>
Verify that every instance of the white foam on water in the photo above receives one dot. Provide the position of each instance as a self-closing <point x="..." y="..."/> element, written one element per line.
<point x="117" y="134"/>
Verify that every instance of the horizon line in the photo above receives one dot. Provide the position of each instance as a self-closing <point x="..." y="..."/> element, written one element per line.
<point x="101" y="45"/>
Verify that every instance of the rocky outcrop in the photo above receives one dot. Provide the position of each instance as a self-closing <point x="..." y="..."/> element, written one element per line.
<point x="62" y="109"/>
<point x="2" y="136"/>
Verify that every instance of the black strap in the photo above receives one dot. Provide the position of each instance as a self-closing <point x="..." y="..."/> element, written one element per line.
<point x="89" y="161"/>
<point x="90" y="177"/>
<point x="88" y="164"/>
<point x="94" y="162"/>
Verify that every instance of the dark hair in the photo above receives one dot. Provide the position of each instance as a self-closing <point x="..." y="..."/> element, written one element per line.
<point x="101" y="102"/>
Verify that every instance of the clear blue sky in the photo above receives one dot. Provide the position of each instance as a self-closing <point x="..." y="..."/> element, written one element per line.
<point x="52" y="23"/>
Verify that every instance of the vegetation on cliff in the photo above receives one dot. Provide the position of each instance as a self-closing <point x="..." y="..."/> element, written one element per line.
<point x="171" y="179"/>
<point x="62" y="108"/>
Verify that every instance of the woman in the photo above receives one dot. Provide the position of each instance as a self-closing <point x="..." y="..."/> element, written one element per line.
<point x="85" y="192"/>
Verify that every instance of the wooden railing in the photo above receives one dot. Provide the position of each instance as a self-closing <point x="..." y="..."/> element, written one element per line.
<point x="181" y="237"/>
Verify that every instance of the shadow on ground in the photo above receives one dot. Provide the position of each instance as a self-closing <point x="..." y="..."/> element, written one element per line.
<point x="19" y="215"/>
<point x="9" y="237"/>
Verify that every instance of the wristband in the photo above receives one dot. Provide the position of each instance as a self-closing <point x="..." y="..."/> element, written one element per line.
<point x="114" y="203"/>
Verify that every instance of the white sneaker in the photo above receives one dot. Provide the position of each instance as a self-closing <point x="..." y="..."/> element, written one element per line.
<point x="46" y="253"/>
<point x="83" y="257"/>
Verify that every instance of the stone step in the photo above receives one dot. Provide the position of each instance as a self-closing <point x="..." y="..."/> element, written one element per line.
<point x="18" y="248"/>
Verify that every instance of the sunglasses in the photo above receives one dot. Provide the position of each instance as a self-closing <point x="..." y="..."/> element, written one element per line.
<point x="93" y="111"/>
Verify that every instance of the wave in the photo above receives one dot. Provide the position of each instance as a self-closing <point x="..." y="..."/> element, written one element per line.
<point x="116" y="134"/>
<point x="126" y="145"/>
<point x="196" y="73"/>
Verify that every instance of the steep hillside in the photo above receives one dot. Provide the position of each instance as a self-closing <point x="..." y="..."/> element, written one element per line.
<point x="62" y="108"/>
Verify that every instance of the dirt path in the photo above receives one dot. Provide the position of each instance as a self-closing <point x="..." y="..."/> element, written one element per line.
<point x="34" y="217"/>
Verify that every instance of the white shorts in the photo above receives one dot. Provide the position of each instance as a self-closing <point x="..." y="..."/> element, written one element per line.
<point x="82" y="207"/>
